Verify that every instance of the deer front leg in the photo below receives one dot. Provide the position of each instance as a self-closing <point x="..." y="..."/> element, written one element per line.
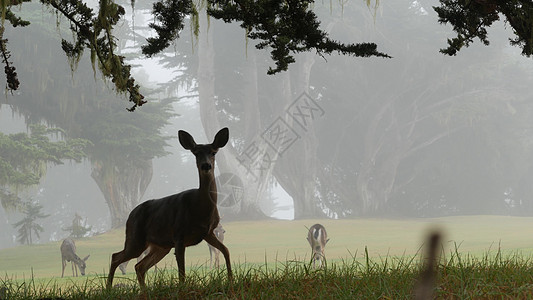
<point x="112" y="268"/>
<point x="73" y="267"/>
<point x="213" y="241"/>
<point x="180" y="258"/>
<point x="64" y="264"/>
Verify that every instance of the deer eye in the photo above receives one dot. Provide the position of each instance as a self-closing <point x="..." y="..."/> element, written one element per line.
<point x="213" y="153"/>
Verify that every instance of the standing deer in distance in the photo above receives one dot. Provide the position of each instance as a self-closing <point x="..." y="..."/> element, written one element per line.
<point x="68" y="253"/>
<point x="177" y="221"/>
<point x="219" y="233"/>
<point x="317" y="238"/>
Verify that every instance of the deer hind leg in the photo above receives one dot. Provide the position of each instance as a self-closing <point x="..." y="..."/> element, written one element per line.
<point x="152" y="257"/>
<point x="118" y="258"/>
<point x="213" y="241"/>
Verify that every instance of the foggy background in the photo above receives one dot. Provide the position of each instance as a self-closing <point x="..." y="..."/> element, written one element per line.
<point x="418" y="135"/>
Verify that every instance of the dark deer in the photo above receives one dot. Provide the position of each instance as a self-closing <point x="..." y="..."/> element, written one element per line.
<point x="68" y="253"/>
<point x="177" y="221"/>
<point x="317" y="238"/>
<point x="219" y="233"/>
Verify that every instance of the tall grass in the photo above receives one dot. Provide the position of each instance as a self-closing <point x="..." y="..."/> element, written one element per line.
<point x="493" y="275"/>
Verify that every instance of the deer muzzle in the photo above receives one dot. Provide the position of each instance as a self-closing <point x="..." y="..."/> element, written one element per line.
<point x="206" y="167"/>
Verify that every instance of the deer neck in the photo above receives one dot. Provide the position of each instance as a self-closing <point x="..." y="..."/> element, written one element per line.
<point x="77" y="259"/>
<point x="208" y="187"/>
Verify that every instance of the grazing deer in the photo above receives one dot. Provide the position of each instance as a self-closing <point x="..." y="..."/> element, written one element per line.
<point x="68" y="253"/>
<point x="317" y="238"/>
<point x="177" y="221"/>
<point x="219" y="233"/>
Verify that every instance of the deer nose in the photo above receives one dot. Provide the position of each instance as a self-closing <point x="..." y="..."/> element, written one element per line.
<point x="205" y="167"/>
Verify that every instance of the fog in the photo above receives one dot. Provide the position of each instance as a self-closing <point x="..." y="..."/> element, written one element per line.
<point x="419" y="135"/>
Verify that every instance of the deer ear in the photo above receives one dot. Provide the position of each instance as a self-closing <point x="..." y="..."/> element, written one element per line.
<point x="221" y="138"/>
<point x="86" y="257"/>
<point x="186" y="140"/>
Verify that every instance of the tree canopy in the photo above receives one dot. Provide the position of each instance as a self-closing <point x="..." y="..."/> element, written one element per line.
<point x="471" y="18"/>
<point x="284" y="27"/>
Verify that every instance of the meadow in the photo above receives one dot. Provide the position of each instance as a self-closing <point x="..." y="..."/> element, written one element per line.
<point x="483" y="257"/>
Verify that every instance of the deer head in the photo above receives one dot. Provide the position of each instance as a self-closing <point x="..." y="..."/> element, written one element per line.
<point x="205" y="154"/>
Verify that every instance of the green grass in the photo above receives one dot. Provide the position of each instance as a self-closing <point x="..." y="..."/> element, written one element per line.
<point x="491" y="276"/>
<point x="486" y="257"/>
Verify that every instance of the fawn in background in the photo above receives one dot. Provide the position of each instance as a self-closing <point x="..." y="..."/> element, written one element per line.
<point x="68" y="253"/>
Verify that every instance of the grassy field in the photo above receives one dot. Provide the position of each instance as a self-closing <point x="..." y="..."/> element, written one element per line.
<point x="267" y="248"/>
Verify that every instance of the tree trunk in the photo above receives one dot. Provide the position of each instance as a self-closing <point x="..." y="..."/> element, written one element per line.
<point x="228" y="160"/>
<point x="296" y="171"/>
<point x="382" y="153"/>
<point x="123" y="186"/>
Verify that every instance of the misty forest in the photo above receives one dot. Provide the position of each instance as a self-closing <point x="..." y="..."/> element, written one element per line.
<point x="337" y="110"/>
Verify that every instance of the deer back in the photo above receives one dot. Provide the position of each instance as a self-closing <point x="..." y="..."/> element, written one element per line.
<point x="68" y="250"/>
<point x="317" y="237"/>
